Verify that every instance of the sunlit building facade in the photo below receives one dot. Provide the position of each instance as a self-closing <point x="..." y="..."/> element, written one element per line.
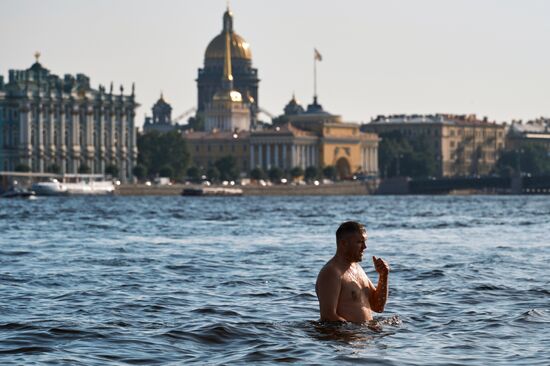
<point x="62" y="125"/>
<point x="463" y="145"/>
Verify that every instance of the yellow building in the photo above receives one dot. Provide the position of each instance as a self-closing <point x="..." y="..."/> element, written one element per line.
<point x="463" y="144"/>
<point x="314" y="138"/>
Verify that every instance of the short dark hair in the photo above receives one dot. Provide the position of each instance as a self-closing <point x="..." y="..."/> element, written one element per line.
<point x="348" y="227"/>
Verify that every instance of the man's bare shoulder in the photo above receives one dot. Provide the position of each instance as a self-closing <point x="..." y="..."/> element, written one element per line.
<point x="329" y="270"/>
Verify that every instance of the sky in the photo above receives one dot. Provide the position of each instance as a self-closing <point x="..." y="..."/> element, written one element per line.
<point x="488" y="57"/>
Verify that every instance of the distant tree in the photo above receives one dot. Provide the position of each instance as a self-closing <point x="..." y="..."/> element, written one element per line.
<point x="530" y="159"/>
<point x="111" y="170"/>
<point x="227" y="166"/>
<point x="257" y="174"/>
<point x="157" y="150"/>
<point x="329" y="172"/>
<point x="296" y="172"/>
<point x="420" y="161"/>
<point x="399" y="156"/>
<point x="23" y="168"/>
<point x="213" y="174"/>
<point x="139" y="171"/>
<point x="311" y="173"/>
<point x="194" y="173"/>
<point x="275" y="174"/>
<point x="166" y="171"/>
<point x="84" y="169"/>
<point x="53" y="168"/>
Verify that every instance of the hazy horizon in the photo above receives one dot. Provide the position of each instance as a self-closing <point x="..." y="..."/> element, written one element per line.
<point x="397" y="57"/>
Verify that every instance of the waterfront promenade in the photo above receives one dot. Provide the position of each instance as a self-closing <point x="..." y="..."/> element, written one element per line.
<point x="341" y="188"/>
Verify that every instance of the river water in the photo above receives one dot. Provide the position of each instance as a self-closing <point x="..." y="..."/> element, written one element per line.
<point x="183" y="280"/>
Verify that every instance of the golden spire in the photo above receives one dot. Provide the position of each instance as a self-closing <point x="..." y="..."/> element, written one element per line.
<point x="227" y="75"/>
<point x="37" y="55"/>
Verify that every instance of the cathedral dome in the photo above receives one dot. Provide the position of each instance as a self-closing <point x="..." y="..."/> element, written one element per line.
<point x="240" y="49"/>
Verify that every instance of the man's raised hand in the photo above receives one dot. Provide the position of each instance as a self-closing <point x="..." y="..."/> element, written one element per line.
<point x="381" y="266"/>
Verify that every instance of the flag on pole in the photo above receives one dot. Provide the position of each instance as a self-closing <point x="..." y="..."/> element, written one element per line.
<point x="317" y="55"/>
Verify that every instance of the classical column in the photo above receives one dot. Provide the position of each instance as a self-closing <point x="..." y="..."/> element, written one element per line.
<point x="100" y="137"/>
<point x="260" y="156"/>
<point x="25" y="143"/>
<point x="292" y="156"/>
<point x="52" y="129"/>
<point x="40" y="134"/>
<point x="276" y="153"/>
<point x="268" y="156"/>
<point x="122" y="145"/>
<point x="285" y="163"/>
<point x="62" y="151"/>
<point x="315" y="155"/>
<point x="375" y="159"/>
<point x="252" y="163"/>
<point x="89" y="148"/>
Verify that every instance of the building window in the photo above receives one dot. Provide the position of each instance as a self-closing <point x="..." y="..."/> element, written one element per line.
<point x="221" y="147"/>
<point x="197" y="148"/>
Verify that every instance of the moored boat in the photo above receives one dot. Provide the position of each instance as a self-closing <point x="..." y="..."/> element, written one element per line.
<point x="50" y="188"/>
<point x="17" y="192"/>
<point x="212" y="191"/>
<point x="75" y="184"/>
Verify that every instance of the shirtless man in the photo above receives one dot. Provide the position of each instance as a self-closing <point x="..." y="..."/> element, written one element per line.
<point x="344" y="291"/>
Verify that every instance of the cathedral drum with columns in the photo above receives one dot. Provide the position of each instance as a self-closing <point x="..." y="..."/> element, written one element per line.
<point x="49" y="124"/>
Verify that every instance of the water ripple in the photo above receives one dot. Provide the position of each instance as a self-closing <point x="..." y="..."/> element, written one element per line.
<point x="181" y="280"/>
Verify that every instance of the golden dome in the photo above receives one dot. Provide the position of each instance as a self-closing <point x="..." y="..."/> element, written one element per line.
<point x="239" y="47"/>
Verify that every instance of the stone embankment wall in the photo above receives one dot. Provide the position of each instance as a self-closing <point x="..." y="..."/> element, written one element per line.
<point x="345" y="188"/>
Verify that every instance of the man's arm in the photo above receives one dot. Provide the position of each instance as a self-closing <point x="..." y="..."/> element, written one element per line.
<point x="328" y="292"/>
<point x="379" y="295"/>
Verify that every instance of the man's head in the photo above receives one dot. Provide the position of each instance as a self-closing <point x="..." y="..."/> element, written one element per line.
<point x="351" y="240"/>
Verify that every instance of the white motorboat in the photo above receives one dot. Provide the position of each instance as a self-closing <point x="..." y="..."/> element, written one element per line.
<point x="75" y="184"/>
<point x="50" y="188"/>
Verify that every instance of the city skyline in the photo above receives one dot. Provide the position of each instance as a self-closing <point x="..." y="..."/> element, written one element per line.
<point x="393" y="58"/>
